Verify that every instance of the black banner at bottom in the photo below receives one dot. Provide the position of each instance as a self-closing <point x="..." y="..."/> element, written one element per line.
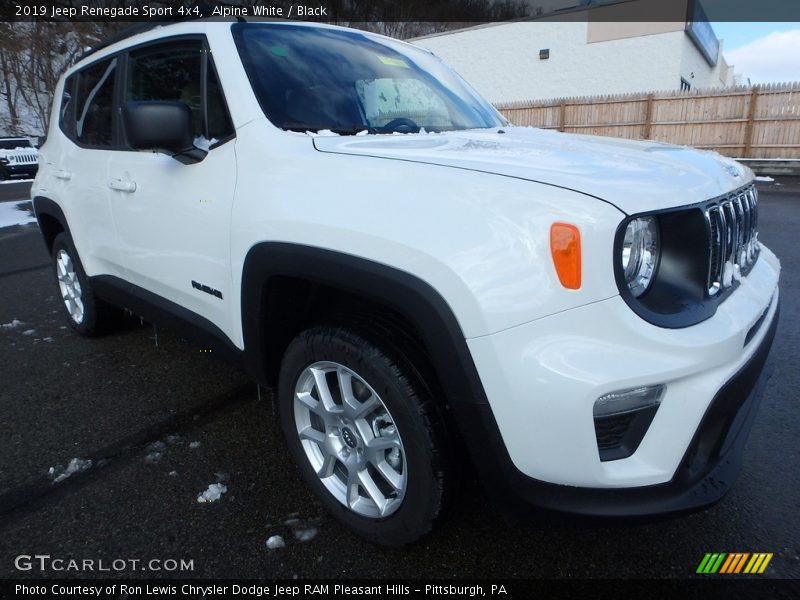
<point x="210" y="589"/>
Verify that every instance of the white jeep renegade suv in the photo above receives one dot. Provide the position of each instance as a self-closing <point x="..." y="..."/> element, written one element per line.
<point x="586" y="318"/>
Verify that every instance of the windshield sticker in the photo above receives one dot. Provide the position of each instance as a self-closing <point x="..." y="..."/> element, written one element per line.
<point x="393" y="62"/>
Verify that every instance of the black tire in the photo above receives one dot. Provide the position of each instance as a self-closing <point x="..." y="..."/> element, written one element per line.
<point x="99" y="317"/>
<point x="412" y="410"/>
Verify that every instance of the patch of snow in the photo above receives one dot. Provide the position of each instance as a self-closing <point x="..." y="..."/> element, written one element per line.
<point x="29" y="332"/>
<point x="173" y="473"/>
<point x="213" y="493"/>
<point x="322" y="133"/>
<point x="16" y="213"/>
<point x="76" y="465"/>
<point x="737" y="273"/>
<point x="153" y="457"/>
<point x="195" y="445"/>
<point x="306" y="534"/>
<point x="47" y="339"/>
<point x="13" y="325"/>
<point x="203" y="143"/>
<point x="173" y="439"/>
<point x="362" y="132"/>
<point x="292" y="521"/>
<point x="764" y="178"/>
<point x="727" y="274"/>
<point x="275" y="541"/>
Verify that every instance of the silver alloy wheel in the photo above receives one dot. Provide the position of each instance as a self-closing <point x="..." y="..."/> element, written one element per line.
<point x="70" y="286"/>
<point x="350" y="439"/>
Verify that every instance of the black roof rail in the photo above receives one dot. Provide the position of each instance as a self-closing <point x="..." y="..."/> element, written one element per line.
<point x="206" y="14"/>
<point x="122" y="35"/>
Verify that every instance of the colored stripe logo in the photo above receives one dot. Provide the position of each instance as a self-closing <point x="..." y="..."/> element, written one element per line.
<point x="734" y="563"/>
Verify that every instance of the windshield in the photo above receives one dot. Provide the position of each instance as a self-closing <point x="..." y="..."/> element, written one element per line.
<point x="11" y="144"/>
<point x="313" y="79"/>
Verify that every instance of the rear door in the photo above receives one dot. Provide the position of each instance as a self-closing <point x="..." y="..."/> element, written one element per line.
<point x="78" y="164"/>
<point x="173" y="218"/>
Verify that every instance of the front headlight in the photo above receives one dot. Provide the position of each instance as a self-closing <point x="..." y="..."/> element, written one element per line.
<point x="639" y="257"/>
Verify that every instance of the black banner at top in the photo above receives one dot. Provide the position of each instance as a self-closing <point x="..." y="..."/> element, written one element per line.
<point x="451" y="11"/>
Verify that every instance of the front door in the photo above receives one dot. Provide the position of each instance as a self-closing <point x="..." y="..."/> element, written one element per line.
<point x="173" y="218"/>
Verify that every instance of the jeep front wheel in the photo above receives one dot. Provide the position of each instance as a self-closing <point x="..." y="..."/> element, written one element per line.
<point x="364" y="434"/>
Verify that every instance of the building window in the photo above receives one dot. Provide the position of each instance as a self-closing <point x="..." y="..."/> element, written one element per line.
<point x="544" y="53"/>
<point x="685" y="85"/>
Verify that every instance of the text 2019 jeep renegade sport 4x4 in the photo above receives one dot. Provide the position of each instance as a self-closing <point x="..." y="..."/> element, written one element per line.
<point x="587" y="317"/>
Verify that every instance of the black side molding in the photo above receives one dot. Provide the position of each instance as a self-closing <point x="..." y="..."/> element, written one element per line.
<point x="174" y="317"/>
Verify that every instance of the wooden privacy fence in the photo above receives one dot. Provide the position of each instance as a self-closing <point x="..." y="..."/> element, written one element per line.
<point x="742" y="122"/>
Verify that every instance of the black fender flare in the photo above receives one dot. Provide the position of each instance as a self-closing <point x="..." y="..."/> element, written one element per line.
<point x="404" y="293"/>
<point x="45" y="206"/>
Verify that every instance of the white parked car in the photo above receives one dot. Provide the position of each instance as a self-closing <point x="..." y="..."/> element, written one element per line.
<point x="582" y="321"/>
<point x="18" y="158"/>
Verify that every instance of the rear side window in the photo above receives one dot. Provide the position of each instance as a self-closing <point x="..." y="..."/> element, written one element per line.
<point x="94" y="110"/>
<point x="175" y="72"/>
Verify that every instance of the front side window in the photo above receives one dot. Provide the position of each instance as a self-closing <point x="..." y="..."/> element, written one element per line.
<point x="174" y="72"/>
<point x="170" y="72"/>
<point x="313" y="78"/>
<point x="94" y="115"/>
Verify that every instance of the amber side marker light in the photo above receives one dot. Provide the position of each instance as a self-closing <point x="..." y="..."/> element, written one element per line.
<point x="565" y="246"/>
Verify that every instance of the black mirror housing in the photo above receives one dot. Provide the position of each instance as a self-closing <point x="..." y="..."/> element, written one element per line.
<point x="160" y="125"/>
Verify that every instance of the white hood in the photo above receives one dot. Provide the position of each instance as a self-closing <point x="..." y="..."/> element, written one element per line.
<point x="634" y="176"/>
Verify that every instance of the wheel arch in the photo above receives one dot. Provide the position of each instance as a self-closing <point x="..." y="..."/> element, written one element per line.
<point x="282" y="281"/>
<point x="51" y="220"/>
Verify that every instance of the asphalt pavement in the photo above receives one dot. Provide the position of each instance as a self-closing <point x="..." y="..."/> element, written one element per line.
<point x="161" y="421"/>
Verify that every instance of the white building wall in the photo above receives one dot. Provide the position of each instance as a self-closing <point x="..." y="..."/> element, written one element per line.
<point x="695" y="68"/>
<point x="502" y="61"/>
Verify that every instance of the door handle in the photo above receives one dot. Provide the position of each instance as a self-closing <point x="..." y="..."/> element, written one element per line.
<point x="62" y="174"/>
<point x="123" y="185"/>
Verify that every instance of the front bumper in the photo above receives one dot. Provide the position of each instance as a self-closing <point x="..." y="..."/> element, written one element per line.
<point x="708" y="468"/>
<point x="537" y="435"/>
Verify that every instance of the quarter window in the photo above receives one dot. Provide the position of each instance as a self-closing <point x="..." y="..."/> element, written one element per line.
<point x="65" y="119"/>
<point x="95" y="101"/>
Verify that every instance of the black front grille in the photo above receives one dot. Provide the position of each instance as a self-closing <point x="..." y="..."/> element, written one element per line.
<point x="733" y="238"/>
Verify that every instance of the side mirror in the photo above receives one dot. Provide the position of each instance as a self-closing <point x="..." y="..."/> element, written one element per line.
<point x="164" y="126"/>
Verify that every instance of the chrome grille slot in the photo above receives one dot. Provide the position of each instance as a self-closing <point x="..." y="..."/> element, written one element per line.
<point x="733" y="238"/>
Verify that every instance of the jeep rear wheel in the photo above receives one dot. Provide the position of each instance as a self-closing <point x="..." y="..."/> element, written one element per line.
<point x="87" y="314"/>
<point x="363" y="433"/>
